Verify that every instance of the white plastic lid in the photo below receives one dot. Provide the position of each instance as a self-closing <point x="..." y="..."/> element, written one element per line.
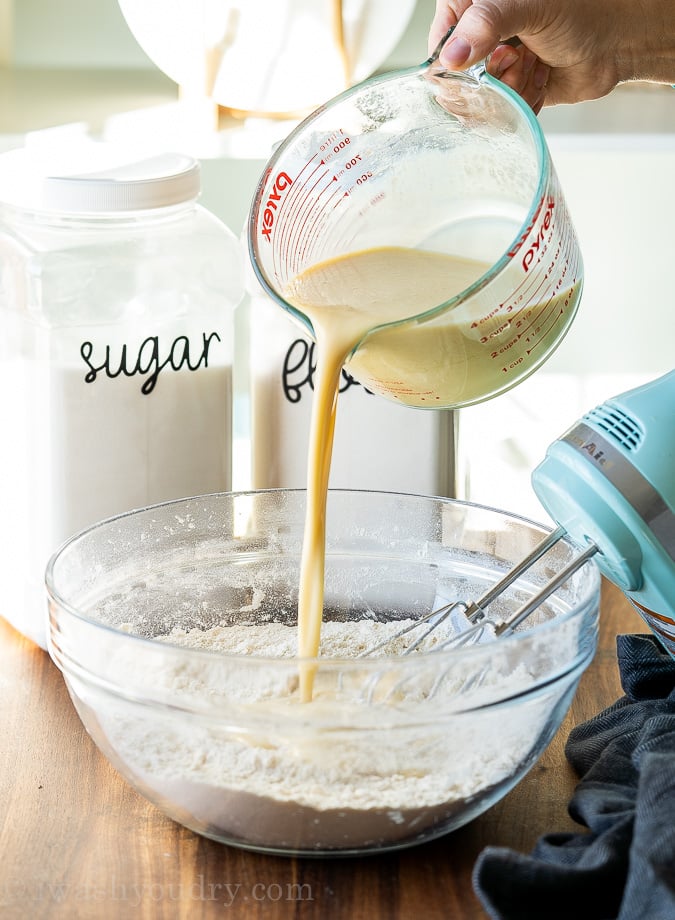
<point x="96" y="178"/>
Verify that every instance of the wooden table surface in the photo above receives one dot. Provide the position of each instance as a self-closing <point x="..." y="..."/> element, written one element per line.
<point x="77" y="842"/>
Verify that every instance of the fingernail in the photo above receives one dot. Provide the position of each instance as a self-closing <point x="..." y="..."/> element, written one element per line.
<point x="508" y="59"/>
<point x="455" y="52"/>
<point x="541" y="74"/>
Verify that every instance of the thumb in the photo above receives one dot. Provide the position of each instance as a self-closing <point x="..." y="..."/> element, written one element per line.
<point x="479" y="30"/>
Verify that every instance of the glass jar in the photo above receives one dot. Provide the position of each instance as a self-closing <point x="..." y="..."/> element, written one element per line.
<point x="117" y="294"/>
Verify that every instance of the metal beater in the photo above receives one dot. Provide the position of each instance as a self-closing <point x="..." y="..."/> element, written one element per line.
<point x="609" y="484"/>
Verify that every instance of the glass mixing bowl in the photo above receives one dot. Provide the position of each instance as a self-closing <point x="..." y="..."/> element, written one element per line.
<point x="174" y="627"/>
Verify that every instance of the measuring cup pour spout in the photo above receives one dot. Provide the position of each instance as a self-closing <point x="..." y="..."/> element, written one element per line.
<point x="448" y="165"/>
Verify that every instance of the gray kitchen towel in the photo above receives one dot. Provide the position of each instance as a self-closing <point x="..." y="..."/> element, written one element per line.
<point x="622" y="867"/>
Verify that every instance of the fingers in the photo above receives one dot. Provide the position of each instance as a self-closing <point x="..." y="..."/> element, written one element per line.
<point x="481" y="27"/>
<point x="521" y="70"/>
<point x="448" y="13"/>
<point x="478" y="32"/>
<point x="443" y="19"/>
<point x="536" y="93"/>
<point x="505" y="58"/>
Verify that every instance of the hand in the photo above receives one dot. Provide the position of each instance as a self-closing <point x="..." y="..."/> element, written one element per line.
<point x="571" y="49"/>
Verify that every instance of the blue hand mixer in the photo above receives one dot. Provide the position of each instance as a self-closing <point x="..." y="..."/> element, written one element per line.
<point x="609" y="484"/>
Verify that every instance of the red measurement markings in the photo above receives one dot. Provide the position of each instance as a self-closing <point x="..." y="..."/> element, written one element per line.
<point x="304" y="211"/>
<point x="536" y="307"/>
<point x="531" y="294"/>
<point x="331" y="144"/>
<point x="351" y="169"/>
<point x="278" y="197"/>
<point x="292" y="205"/>
<point x="274" y="186"/>
<point x="526" y="291"/>
<point x="528" y="230"/>
<point x="311" y="215"/>
<point x="539" y="243"/>
<point x="555" y="307"/>
<point x="535" y="314"/>
<point x="320" y="218"/>
<point x="544" y="324"/>
<point x="568" y="279"/>
<point x="340" y="145"/>
<point x="524" y="294"/>
<point x="303" y="208"/>
<point x="311" y="218"/>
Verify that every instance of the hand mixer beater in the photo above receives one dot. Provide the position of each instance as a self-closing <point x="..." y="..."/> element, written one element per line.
<point x="609" y="484"/>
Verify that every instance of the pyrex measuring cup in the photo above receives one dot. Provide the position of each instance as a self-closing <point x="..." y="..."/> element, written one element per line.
<point x="448" y="162"/>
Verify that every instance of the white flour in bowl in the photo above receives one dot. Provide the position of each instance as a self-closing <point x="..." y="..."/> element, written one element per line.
<point x="366" y="764"/>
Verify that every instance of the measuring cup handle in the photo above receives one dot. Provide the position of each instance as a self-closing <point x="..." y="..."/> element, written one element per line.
<point x="476" y="70"/>
<point x="439" y="47"/>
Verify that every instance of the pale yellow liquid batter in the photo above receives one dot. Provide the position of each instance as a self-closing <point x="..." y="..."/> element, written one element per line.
<point x="453" y="358"/>
<point x="344" y="299"/>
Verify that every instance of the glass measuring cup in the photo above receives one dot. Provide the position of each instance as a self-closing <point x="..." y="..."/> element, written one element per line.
<point x="442" y="162"/>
